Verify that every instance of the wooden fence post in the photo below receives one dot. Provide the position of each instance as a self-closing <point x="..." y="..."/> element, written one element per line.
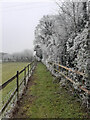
<point x="33" y="64"/>
<point x="17" y="84"/>
<point x="28" y="71"/>
<point x="25" y="76"/>
<point x="31" y="67"/>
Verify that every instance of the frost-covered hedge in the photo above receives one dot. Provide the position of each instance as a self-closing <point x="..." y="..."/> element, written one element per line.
<point x="57" y="40"/>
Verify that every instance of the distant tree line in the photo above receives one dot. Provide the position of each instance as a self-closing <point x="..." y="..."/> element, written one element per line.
<point x="24" y="56"/>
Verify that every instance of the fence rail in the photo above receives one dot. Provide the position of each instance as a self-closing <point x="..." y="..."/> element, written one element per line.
<point x="72" y="81"/>
<point x="7" y="82"/>
<point x="30" y="67"/>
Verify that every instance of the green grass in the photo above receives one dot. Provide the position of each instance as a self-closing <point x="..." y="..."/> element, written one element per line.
<point x="9" y="69"/>
<point x="48" y="100"/>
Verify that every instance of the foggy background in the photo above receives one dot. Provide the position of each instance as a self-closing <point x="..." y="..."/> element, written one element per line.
<point x="19" y="20"/>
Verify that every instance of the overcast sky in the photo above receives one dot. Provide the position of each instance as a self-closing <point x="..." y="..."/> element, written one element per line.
<point x="19" y="20"/>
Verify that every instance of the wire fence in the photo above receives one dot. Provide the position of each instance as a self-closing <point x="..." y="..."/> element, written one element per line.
<point x="17" y="84"/>
<point x="71" y="75"/>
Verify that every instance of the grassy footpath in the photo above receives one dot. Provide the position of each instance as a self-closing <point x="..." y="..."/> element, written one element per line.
<point x="45" y="99"/>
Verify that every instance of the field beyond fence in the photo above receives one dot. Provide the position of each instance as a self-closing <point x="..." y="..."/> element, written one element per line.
<point x="12" y="89"/>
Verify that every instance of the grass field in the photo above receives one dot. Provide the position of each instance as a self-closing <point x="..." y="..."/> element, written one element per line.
<point x="9" y="70"/>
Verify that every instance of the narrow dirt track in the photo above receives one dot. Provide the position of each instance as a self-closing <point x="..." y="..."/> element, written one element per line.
<point x="46" y="99"/>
